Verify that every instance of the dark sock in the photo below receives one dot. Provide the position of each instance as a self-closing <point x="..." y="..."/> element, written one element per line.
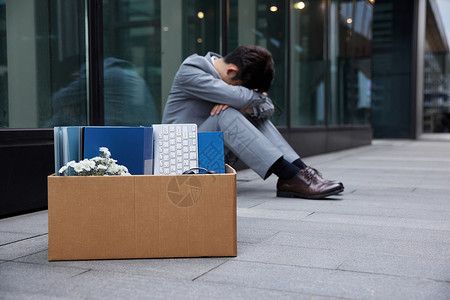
<point x="299" y="163"/>
<point x="284" y="169"/>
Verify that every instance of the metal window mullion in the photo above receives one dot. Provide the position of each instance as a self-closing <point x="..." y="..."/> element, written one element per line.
<point x="94" y="62"/>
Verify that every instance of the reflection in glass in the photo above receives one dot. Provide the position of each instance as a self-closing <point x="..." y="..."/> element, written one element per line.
<point x="263" y="23"/>
<point x="132" y="65"/>
<point x="307" y="67"/>
<point x="41" y="44"/>
<point x="350" y="62"/>
<point x="154" y="37"/>
<point x="436" y="102"/>
<point x="201" y="26"/>
<point x="362" y="62"/>
<point x="127" y="99"/>
<point x="67" y="61"/>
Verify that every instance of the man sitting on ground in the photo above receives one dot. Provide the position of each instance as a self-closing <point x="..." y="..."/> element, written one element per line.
<point x="229" y="94"/>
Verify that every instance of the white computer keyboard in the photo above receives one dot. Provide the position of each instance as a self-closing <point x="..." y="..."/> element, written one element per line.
<point x="175" y="148"/>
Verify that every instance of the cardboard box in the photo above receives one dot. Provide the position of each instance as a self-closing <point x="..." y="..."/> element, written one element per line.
<point x="142" y="216"/>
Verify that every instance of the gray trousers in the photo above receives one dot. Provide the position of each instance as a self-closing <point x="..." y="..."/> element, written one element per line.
<point x="256" y="142"/>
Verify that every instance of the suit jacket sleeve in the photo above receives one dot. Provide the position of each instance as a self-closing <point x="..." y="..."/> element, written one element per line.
<point x="198" y="79"/>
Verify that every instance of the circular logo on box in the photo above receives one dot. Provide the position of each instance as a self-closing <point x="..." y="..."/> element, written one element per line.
<point x="184" y="191"/>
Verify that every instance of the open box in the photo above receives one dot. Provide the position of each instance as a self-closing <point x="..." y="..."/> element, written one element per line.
<point x="142" y="216"/>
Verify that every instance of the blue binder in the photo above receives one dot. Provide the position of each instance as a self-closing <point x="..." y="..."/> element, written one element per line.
<point x="211" y="151"/>
<point x="68" y="141"/>
<point x="130" y="146"/>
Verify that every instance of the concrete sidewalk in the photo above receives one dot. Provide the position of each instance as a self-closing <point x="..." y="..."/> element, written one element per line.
<point x="386" y="237"/>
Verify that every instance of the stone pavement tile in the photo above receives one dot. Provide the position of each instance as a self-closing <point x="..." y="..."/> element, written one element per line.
<point x="246" y="175"/>
<point x="6" y="295"/>
<point x="180" y="268"/>
<point x="246" y="202"/>
<point x="424" y="192"/>
<point x="379" y="221"/>
<point x="295" y="204"/>
<point x="24" y="247"/>
<point x="327" y="298"/>
<point x="390" y="183"/>
<point x="407" y="199"/>
<point x="34" y="223"/>
<point x="10" y="237"/>
<point x="24" y="277"/>
<point x="375" y="192"/>
<point x="368" y="208"/>
<point x="272" y="214"/>
<point x="295" y="256"/>
<point x="345" y="207"/>
<point x="436" y="250"/>
<point x="392" y="164"/>
<point x="325" y="282"/>
<point x="419" y="267"/>
<point x="254" y="235"/>
<point x="348" y="230"/>
<point x="399" y="192"/>
<point x="434" y="203"/>
<point x="255" y="193"/>
<point x="107" y="285"/>
<point x="242" y="248"/>
<point x="402" y="178"/>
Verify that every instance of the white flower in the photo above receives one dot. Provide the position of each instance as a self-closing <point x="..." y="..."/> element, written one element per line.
<point x="90" y="163"/>
<point x="78" y="168"/>
<point x="96" y="166"/>
<point x="87" y="165"/>
<point x="121" y="168"/>
<point x="113" y="169"/>
<point x="105" y="152"/>
<point x="102" y="167"/>
<point x="63" y="169"/>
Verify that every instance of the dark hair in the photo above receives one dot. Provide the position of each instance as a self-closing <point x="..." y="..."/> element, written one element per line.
<point x="255" y="66"/>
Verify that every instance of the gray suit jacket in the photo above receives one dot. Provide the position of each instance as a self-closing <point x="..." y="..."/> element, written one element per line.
<point x="197" y="87"/>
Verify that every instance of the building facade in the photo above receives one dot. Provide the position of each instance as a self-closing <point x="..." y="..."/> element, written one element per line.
<point x="111" y="62"/>
<point x="410" y="69"/>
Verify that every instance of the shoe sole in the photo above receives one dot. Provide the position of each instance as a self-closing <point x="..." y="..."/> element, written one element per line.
<point x="297" y="195"/>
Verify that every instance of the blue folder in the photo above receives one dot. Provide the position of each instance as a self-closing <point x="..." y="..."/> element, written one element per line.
<point x="211" y="151"/>
<point x="130" y="146"/>
<point x="68" y="141"/>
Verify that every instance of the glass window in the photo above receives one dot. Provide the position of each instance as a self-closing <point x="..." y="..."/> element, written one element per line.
<point x="201" y="27"/>
<point x="362" y="67"/>
<point x="307" y="63"/>
<point x="132" y="62"/>
<point x="144" y="45"/>
<point x="263" y="23"/>
<point x="42" y="47"/>
<point x="340" y="36"/>
<point x="350" y="52"/>
<point x="436" y="84"/>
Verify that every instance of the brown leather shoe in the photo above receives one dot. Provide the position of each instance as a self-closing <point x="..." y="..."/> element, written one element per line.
<point x="320" y="177"/>
<point x="307" y="184"/>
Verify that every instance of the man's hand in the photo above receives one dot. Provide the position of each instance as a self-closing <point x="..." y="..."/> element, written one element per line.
<point x="264" y="93"/>
<point x="218" y="108"/>
<point x="247" y="111"/>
